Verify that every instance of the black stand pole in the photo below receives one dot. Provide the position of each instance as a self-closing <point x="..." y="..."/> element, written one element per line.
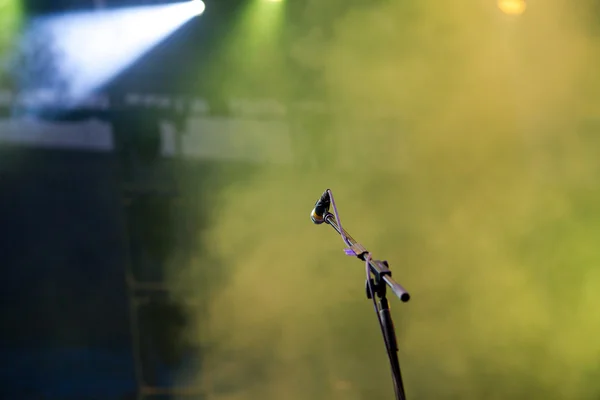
<point x="380" y="278"/>
<point x="388" y="332"/>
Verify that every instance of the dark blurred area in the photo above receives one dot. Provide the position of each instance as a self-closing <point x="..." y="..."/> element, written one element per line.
<point x="86" y="235"/>
<point x="86" y="308"/>
<point x="69" y="231"/>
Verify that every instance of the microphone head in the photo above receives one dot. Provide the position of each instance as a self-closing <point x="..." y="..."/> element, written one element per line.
<point x="324" y="201"/>
<point x="321" y="208"/>
<point x="316" y="218"/>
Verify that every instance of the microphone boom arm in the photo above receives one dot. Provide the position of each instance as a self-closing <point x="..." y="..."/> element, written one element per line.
<point x="378" y="268"/>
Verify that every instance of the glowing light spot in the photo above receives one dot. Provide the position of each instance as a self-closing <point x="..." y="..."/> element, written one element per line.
<point x="512" y="7"/>
<point x="199" y="7"/>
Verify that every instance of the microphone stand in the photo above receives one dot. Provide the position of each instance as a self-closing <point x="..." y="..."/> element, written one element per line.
<point x="379" y="278"/>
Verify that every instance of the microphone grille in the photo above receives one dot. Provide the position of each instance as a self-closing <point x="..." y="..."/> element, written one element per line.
<point x="317" y="219"/>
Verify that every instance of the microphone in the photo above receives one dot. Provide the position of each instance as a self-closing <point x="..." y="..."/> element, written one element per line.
<point x="321" y="208"/>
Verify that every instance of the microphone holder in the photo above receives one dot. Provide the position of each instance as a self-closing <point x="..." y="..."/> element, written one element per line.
<point x="379" y="278"/>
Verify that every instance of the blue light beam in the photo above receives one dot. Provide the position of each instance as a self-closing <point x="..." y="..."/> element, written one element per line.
<point x="77" y="53"/>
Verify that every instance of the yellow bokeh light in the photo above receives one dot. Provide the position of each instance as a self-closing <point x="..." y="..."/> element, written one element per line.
<point x="512" y="7"/>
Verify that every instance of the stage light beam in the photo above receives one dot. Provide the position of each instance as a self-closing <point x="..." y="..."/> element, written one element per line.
<point x="85" y="50"/>
<point x="11" y="16"/>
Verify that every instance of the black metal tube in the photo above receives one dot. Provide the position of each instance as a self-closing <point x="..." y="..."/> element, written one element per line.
<point x="389" y="335"/>
<point x="377" y="267"/>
